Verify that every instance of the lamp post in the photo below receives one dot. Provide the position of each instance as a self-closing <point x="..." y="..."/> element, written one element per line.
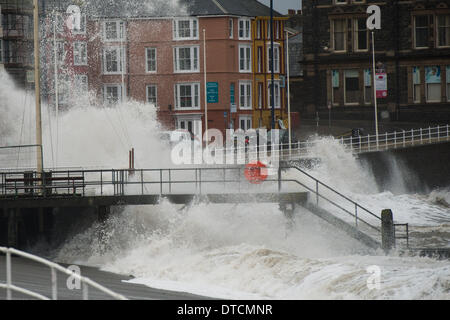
<point x="272" y="87"/>
<point x="206" y="95"/>
<point x="374" y="22"/>
<point x="374" y="88"/>
<point x="40" y="160"/>
<point x="288" y="90"/>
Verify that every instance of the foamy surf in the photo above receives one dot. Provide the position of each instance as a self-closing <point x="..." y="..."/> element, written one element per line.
<point x="231" y="251"/>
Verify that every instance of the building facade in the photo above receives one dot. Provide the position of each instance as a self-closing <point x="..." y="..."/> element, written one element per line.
<point x="412" y="47"/>
<point x="16" y="40"/>
<point x="158" y="57"/>
<point x="262" y="66"/>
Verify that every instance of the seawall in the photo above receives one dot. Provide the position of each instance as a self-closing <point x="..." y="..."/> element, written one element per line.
<point x="421" y="168"/>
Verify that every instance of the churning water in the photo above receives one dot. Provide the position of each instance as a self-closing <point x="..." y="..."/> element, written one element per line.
<point x="230" y="251"/>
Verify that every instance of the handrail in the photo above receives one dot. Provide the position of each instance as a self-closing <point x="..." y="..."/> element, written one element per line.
<point x="53" y="267"/>
<point x="318" y="195"/>
<point x="116" y="180"/>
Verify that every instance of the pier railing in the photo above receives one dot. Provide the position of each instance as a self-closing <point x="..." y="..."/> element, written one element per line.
<point x="54" y="268"/>
<point x="79" y="183"/>
<point x="358" y="144"/>
<point x="358" y="213"/>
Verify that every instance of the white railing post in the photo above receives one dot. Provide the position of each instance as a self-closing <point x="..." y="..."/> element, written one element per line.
<point x="386" y="141"/>
<point x="421" y="136"/>
<point x="404" y="138"/>
<point x="54" y="284"/>
<point x="438" y="135"/>
<point x="412" y="136"/>
<point x="368" y="142"/>
<point x="8" y="275"/>
<point x="360" y="139"/>
<point x="395" y="139"/>
<point x="351" y="143"/>
<point x="85" y="291"/>
<point x="447" y="133"/>
<point x="429" y="134"/>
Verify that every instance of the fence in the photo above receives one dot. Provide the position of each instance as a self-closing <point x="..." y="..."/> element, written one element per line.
<point x="10" y="287"/>
<point x="369" y="143"/>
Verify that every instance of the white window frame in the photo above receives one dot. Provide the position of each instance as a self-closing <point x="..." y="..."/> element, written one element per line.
<point x="195" y="67"/>
<point x="120" y="60"/>
<point x="231" y="28"/>
<point x="63" y="88"/>
<point x="177" y="96"/>
<point x="333" y="21"/>
<point x="246" y="118"/>
<point x="345" y="88"/>
<point x="82" y="30"/>
<point x="61" y="51"/>
<point x="415" y="33"/>
<point x="110" y="85"/>
<point x="147" y="59"/>
<point x="277" y="51"/>
<point x="437" y="30"/>
<point x="260" y="88"/>
<point x="247" y="58"/>
<point x="79" y="83"/>
<point x="356" y="37"/>
<point x="147" y="93"/>
<point x="81" y="53"/>
<point x="245" y="29"/>
<point x="193" y="29"/>
<point x="196" y="123"/>
<point x="277" y="100"/>
<point x="248" y="99"/>
<point x="120" y="31"/>
<point x="427" y="99"/>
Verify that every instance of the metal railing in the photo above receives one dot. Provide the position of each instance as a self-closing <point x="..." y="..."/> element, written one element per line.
<point x="10" y="287"/>
<point x="359" y="144"/>
<point x="77" y="183"/>
<point x="112" y="182"/>
<point x="397" y="139"/>
<point x="356" y="213"/>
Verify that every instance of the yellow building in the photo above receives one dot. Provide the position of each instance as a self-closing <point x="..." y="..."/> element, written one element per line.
<point x="262" y="116"/>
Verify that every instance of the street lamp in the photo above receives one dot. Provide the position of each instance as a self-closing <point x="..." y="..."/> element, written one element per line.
<point x="272" y="87"/>
<point x="288" y="89"/>
<point x="374" y="22"/>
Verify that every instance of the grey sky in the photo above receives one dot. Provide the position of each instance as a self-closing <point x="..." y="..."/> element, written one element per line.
<point x="282" y="6"/>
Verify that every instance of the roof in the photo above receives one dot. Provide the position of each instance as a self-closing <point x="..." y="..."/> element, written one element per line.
<point x="167" y="8"/>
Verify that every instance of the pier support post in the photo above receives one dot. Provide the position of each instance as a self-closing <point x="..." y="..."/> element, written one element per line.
<point x="387" y="230"/>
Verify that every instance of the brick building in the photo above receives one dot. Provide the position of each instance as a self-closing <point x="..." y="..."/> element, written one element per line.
<point x="413" y="46"/>
<point x="16" y="40"/>
<point x="155" y="54"/>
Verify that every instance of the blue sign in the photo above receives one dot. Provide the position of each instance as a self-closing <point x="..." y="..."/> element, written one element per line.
<point x="225" y="114"/>
<point x="212" y="92"/>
